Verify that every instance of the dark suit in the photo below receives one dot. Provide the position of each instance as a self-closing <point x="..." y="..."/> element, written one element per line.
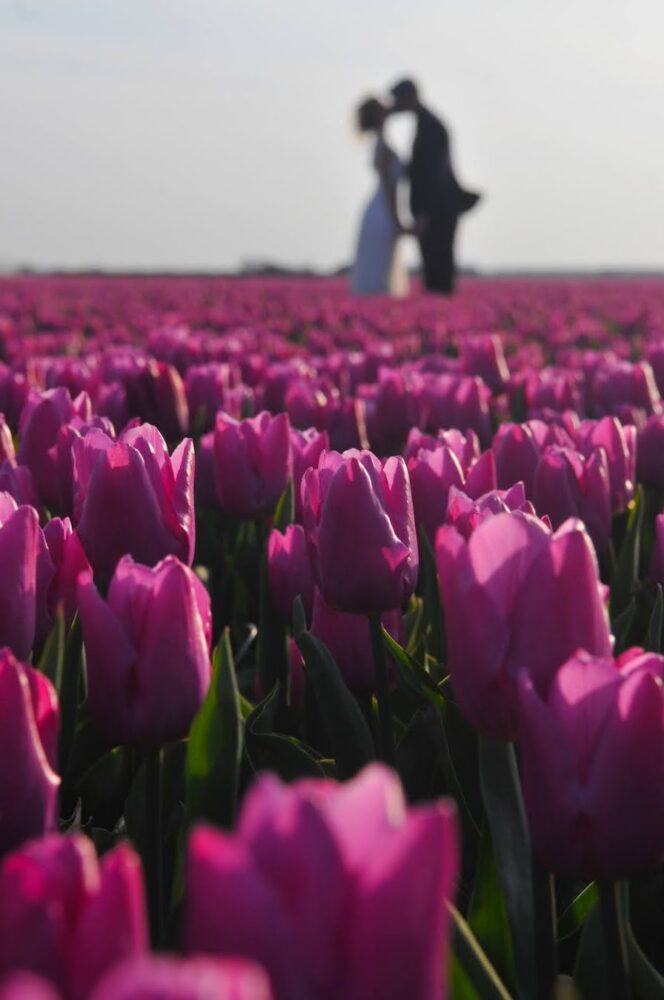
<point x="436" y="195"/>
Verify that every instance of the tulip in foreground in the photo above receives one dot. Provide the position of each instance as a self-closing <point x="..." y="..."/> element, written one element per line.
<point x="170" y="978"/>
<point x="593" y="765"/>
<point x="360" y="527"/>
<point x="515" y="597"/>
<point x="339" y="891"/>
<point x="68" y="917"/>
<point x="147" y="650"/>
<point x="29" y="727"/>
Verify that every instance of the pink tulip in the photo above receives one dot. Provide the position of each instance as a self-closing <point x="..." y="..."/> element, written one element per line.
<point x="385" y="872"/>
<point x="592" y="751"/>
<point x="252" y="463"/>
<point x="19" y="550"/>
<point x="147" y="650"/>
<point x="29" y="728"/>
<point x="166" y="978"/>
<point x="360" y="528"/>
<point x="68" y="917"/>
<point x="131" y="497"/>
<point x="515" y="597"/>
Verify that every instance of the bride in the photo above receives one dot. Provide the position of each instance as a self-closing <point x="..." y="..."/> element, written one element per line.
<point x="378" y="268"/>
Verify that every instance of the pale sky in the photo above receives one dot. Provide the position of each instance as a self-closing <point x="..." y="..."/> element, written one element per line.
<point x="205" y="133"/>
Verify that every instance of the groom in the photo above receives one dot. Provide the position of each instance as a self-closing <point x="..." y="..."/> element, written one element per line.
<point x="436" y="198"/>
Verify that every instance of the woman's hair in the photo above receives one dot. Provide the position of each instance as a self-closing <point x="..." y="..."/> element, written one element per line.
<point x="370" y="115"/>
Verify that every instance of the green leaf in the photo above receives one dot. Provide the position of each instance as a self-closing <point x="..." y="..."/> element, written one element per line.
<point x="622" y="627"/>
<point x="271" y="644"/>
<point x="52" y="659"/>
<point x="573" y="918"/>
<point x="432" y="617"/>
<point x="348" y="731"/>
<point x="412" y="674"/>
<point x="479" y="973"/>
<point x="285" y="755"/>
<point x="487" y="916"/>
<point x="654" y="640"/>
<point x="104" y="787"/>
<point x="591" y="966"/>
<point x="69" y="691"/>
<point x="214" y="749"/>
<point x="626" y="575"/>
<point x="501" y="790"/>
<point x="646" y="981"/>
<point x="284" y="513"/>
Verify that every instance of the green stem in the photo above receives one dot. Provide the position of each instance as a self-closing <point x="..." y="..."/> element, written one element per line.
<point x="382" y="690"/>
<point x="154" y="862"/>
<point x="544" y="897"/>
<point x="614" y="924"/>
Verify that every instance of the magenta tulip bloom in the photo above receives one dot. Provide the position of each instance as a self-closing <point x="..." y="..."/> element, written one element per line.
<point x="432" y="473"/>
<point x="435" y="472"/>
<point x="619" y="444"/>
<point x="69" y="561"/>
<point x="289" y="571"/>
<point x="26" y="986"/>
<point x="202" y="978"/>
<point x="68" y="917"/>
<point x="307" y="447"/>
<point x="360" y="527"/>
<point x="131" y="497"/>
<point x="650" y="448"/>
<point x="19" y="550"/>
<point x="592" y="751"/>
<point x="7" y="453"/>
<point x="252" y="463"/>
<point x="515" y="598"/>
<point x="483" y="355"/>
<point x="42" y="417"/>
<point x="29" y="726"/>
<point x="465" y="514"/>
<point x="349" y="641"/>
<point x="567" y="485"/>
<point x="384" y="871"/>
<point x="624" y="389"/>
<point x="147" y="650"/>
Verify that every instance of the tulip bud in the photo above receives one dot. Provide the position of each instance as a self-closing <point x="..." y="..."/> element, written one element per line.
<point x="167" y="978"/>
<point x="619" y="445"/>
<point x="307" y="447"/>
<point x="360" y="528"/>
<point x="69" y="561"/>
<point x="252" y="463"/>
<point x="132" y="497"/>
<point x="147" y="650"/>
<point x="567" y="486"/>
<point x="42" y="417"/>
<point x="515" y="598"/>
<point x="650" y="448"/>
<point x="289" y="571"/>
<point x="29" y="727"/>
<point x="381" y="867"/>
<point x="592" y="751"/>
<point x="19" y="549"/>
<point x="68" y="917"/>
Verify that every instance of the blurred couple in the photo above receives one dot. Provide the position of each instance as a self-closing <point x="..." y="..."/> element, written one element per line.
<point x="437" y="201"/>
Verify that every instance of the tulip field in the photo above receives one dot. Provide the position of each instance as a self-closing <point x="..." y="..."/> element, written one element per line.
<point x="331" y="638"/>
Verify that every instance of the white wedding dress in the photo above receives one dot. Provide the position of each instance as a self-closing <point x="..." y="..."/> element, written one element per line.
<point x="378" y="268"/>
